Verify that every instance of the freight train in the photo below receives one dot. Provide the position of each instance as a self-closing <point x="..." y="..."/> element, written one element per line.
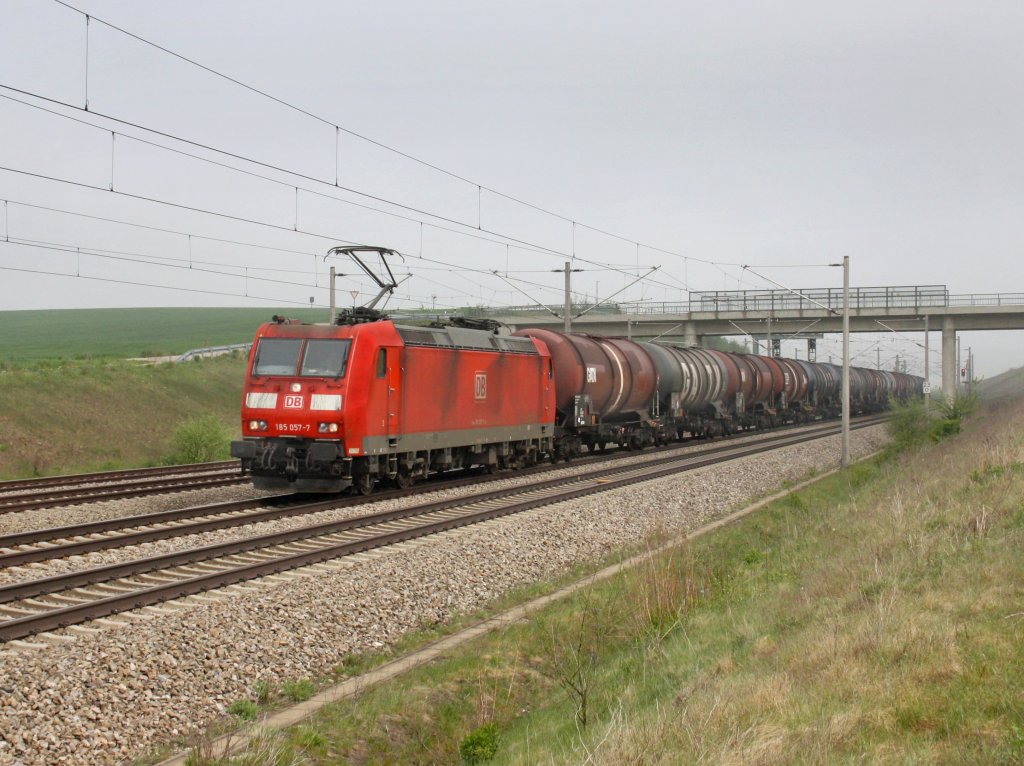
<point x="328" y="407"/>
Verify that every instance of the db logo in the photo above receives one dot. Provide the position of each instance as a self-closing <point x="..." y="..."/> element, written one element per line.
<point x="481" y="385"/>
<point x="293" y="402"/>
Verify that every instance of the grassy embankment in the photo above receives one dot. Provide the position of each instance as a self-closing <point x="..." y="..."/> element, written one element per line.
<point x="69" y="402"/>
<point x="872" y="618"/>
<point x="67" y="417"/>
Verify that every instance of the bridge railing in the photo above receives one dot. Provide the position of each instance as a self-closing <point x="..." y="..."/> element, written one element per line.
<point x="817" y="298"/>
<point x="987" y="299"/>
<point x="776" y="300"/>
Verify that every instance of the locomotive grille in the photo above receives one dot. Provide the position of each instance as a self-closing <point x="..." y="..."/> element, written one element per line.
<point x="460" y="338"/>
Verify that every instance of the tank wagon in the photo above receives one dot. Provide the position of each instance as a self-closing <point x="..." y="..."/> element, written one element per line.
<point x="332" y="406"/>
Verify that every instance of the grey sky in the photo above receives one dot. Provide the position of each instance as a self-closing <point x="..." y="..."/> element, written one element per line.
<point x="760" y="133"/>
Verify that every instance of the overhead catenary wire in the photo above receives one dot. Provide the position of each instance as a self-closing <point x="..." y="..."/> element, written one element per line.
<point x="481" y="187"/>
<point x="520" y="244"/>
<point x="241" y="219"/>
<point x="96" y="253"/>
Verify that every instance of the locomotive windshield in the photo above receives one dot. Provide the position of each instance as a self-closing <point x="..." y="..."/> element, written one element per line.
<point x="277" y="356"/>
<point x="325" y="358"/>
<point x="322" y="358"/>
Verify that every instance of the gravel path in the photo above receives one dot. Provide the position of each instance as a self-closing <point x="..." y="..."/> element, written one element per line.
<point x="105" y="698"/>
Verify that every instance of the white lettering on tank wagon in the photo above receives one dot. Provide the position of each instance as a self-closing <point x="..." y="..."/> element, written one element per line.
<point x="591" y="375"/>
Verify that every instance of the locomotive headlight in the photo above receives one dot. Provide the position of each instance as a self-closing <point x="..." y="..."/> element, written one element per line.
<point x="254" y="425"/>
<point x="328" y="428"/>
<point x="296" y="387"/>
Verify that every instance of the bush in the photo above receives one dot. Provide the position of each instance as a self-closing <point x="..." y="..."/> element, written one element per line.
<point x="480" y="745"/>
<point x="201" y="440"/>
<point x="298" y="691"/>
<point x="261" y="691"/>
<point x="244" y="709"/>
<point x="959" y="407"/>
<point x="909" y="424"/>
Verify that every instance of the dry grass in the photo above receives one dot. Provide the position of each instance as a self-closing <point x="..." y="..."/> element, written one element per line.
<point x="892" y="632"/>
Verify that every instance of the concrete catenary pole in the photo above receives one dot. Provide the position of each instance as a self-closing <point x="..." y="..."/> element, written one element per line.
<point x="927" y="368"/>
<point x="845" y="453"/>
<point x="334" y="310"/>
<point x="568" y="297"/>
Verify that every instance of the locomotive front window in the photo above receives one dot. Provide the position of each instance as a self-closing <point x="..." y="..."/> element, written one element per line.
<point x="325" y="358"/>
<point x="277" y="356"/>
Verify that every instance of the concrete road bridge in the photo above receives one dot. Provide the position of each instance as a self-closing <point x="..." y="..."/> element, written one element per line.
<point x="772" y="314"/>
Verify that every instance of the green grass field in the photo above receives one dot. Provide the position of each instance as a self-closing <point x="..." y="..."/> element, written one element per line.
<point x="124" y="333"/>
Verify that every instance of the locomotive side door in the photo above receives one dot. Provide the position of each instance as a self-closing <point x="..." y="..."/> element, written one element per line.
<point x="389" y="366"/>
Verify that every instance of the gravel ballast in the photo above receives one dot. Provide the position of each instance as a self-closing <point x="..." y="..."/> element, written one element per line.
<point x="104" y="698"/>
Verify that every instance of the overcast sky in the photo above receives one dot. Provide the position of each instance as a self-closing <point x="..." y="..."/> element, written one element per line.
<point x="767" y="134"/>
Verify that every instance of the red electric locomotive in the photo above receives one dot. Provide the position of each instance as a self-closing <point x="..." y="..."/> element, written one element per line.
<point x="332" y="406"/>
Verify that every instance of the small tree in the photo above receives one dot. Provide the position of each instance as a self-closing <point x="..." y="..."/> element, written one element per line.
<point x="572" y="652"/>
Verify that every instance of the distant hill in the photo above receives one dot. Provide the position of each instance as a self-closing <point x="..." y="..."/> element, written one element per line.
<point x="1006" y="385"/>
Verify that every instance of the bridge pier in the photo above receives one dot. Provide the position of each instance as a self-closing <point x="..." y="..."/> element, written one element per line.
<point x="949" y="371"/>
<point x="690" y="337"/>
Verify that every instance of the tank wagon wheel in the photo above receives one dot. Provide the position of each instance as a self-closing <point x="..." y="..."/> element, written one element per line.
<point x="364" y="484"/>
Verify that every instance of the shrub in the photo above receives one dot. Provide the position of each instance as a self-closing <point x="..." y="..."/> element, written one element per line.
<point x="909" y="424"/>
<point x="959" y="407"/>
<point x="480" y="745"/>
<point x="244" y="709"/>
<point x="944" y="427"/>
<point x="261" y="691"/>
<point x="200" y="440"/>
<point x="298" y="691"/>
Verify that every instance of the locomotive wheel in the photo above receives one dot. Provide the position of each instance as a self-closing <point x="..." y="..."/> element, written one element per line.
<point x="364" y="484"/>
<point x="404" y="480"/>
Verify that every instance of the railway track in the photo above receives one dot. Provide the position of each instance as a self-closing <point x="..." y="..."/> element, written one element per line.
<point x="19" y="549"/>
<point x="36" y="606"/>
<point x="27" y="494"/>
<point x="100" y="477"/>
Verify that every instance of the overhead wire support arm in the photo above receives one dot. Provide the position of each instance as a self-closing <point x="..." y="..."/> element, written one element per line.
<point x="797" y="293"/>
<point x="638" y="279"/>
<point x="530" y="297"/>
